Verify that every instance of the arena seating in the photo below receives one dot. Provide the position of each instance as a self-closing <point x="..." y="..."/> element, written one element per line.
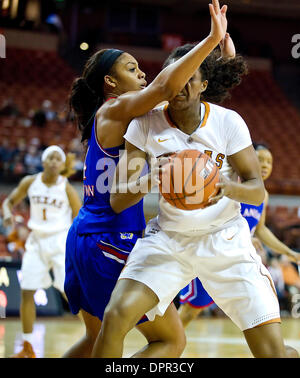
<point x="274" y="121"/>
<point x="30" y="77"/>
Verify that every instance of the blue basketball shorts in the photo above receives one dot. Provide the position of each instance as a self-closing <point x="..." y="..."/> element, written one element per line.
<point x="195" y="295"/>
<point x="93" y="265"/>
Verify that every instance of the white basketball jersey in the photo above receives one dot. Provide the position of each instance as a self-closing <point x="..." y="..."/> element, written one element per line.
<point x="50" y="210"/>
<point x="221" y="133"/>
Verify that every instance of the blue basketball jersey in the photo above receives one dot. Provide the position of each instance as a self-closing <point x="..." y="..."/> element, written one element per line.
<point x="252" y="214"/>
<point x="96" y="215"/>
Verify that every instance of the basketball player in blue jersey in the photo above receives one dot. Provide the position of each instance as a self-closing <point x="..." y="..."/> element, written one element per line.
<point x="194" y="298"/>
<point x="111" y="92"/>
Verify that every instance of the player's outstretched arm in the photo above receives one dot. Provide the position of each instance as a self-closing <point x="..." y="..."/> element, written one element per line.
<point x="266" y="236"/>
<point x="165" y="86"/>
<point x="227" y="48"/>
<point x="16" y="196"/>
<point x="129" y="187"/>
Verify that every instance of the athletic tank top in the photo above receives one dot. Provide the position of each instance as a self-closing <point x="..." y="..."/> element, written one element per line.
<point x="96" y="215"/>
<point x="252" y="214"/>
<point x="50" y="210"/>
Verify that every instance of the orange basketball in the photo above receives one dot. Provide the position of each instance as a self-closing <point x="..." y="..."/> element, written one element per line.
<point x="189" y="180"/>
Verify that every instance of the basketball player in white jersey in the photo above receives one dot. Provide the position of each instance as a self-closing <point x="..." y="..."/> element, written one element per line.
<point x="53" y="205"/>
<point x="213" y="243"/>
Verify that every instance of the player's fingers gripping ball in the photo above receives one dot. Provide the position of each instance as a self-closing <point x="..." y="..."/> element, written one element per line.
<point x="189" y="179"/>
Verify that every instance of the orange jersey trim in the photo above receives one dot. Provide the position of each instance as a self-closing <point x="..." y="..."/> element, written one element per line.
<point x="276" y="320"/>
<point x="207" y="112"/>
<point x="168" y="117"/>
<point x="172" y="124"/>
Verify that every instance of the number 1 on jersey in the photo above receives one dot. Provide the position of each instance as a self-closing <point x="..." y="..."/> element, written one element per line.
<point x="44" y="215"/>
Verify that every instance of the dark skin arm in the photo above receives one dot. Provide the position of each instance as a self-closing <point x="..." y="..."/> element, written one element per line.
<point x="130" y="188"/>
<point x="16" y="196"/>
<point x="251" y="190"/>
<point x="267" y="237"/>
<point x="115" y="115"/>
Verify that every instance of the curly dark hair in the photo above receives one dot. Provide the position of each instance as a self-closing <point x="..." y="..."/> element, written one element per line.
<point x="222" y="75"/>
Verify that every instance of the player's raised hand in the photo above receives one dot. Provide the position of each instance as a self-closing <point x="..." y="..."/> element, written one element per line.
<point x="218" y="20"/>
<point x="227" y="47"/>
<point x="222" y="188"/>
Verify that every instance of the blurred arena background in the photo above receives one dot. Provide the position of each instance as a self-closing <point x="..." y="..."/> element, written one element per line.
<point x="44" y="48"/>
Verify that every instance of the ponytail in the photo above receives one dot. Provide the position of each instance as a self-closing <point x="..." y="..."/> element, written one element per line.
<point x="85" y="103"/>
<point x="87" y="91"/>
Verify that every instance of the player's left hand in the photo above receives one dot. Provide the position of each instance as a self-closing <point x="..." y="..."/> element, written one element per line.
<point x="222" y="187"/>
<point x="257" y="245"/>
<point x="227" y="48"/>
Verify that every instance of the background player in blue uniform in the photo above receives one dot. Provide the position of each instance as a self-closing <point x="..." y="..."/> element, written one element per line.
<point x="99" y="240"/>
<point x="194" y="298"/>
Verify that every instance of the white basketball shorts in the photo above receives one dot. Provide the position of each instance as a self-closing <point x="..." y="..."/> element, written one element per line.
<point x="225" y="261"/>
<point x="42" y="253"/>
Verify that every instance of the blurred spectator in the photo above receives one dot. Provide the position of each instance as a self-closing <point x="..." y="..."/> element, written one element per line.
<point x="2" y="228"/>
<point x="21" y="157"/>
<point x="276" y="273"/>
<point x="17" y="167"/>
<point x="48" y="109"/>
<point x="17" y="238"/>
<point x="44" y="114"/>
<point x="292" y="236"/>
<point x="33" y="160"/>
<point x="290" y="273"/>
<point x="9" y="108"/>
<point x="39" y="118"/>
<point x="6" y="155"/>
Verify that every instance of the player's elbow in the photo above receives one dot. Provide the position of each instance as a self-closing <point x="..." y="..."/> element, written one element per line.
<point x="116" y="204"/>
<point x="259" y="196"/>
<point x="166" y="90"/>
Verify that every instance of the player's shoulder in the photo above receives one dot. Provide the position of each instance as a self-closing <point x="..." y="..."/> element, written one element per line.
<point x="221" y="110"/>
<point x="28" y="180"/>
<point x="26" y="183"/>
<point x="226" y="117"/>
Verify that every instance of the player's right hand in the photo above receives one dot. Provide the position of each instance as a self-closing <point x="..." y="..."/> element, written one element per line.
<point x="218" y="20"/>
<point x="257" y="244"/>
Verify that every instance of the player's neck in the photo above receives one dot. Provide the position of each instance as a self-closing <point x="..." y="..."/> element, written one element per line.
<point x="49" y="178"/>
<point x="187" y="120"/>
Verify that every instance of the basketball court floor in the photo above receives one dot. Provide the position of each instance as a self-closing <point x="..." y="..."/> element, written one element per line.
<point x="206" y="337"/>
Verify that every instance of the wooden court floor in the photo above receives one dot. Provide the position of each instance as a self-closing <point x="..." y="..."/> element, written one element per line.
<point x="206" y="337"/>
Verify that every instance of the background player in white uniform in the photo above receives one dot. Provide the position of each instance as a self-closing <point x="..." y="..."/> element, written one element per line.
<point x="212" y="243"/>
<point x="53" y="204"/>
